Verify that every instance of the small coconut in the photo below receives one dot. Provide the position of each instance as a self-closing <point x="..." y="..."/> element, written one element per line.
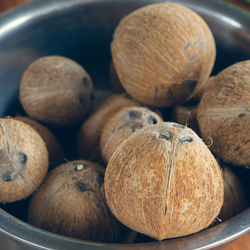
<point x="123" y="124"/>
<point x="163" y="53"/>
<point x="56" y="156"/>
<point x="23" y="160"/>
<point x="71" y="202"/>
<point x="88" y="142"/>
<point x="164" y="182"/>
<point x="56" y="90"/>
<point x="223" y="114"/>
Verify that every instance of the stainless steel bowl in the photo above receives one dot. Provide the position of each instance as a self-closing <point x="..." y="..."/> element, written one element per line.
<point x="82" y="30"/>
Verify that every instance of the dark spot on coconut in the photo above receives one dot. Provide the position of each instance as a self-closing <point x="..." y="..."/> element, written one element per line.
<point x="185" y="138"/>
<point x="152" y="120"/>
<point x="99" y="178"/>
<point x="7" y="176"/>
<point x="237" y="148"/>
<point x="156" y="92"/>
<point x="127" y="96"/>
<point x="83" y="186"/>
<point x="135" y="126"/>
<point x="166" y="136"/>
<point x="22" y="158"/>
<point x="177" y="125"/>
<point x="82" y="98"/>
<point x="191" y="84"/>
<point x="186" y="46"/>
<point x="241" y="115"/>
<point x="86" y="82"/>
<point x="134" y="114"/>
<point x="201" y="45"/>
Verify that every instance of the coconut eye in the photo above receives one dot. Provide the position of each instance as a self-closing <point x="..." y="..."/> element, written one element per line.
<point x="134" y="114"/>
<point x="185" y="138"/>
<point x="22" y="158"/>
<point x="7" y="176"/>
<point x="167" y="135"/>
<point x="80" y="166"/>
<point x="83" y="186"/>
<point x="152" y="120"/>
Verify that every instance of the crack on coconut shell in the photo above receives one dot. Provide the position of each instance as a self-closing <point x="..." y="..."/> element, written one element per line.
<point x="170" y="168"/>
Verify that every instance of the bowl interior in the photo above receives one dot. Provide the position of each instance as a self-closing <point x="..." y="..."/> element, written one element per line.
<point x="82" y="30"/>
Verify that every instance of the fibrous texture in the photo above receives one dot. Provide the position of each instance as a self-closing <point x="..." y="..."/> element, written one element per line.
<point x="164" y="182"/>
<point x="56" y="90"/>
<point x="163" y="53"/>
<point x="23" y="160"/>
<point x="223" y="114"/>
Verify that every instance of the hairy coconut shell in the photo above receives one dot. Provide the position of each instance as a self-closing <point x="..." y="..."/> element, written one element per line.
<point x="164" y="182"/>
<point x="163" y="53"/>
<point x="23" y="160"/>
<point x="56" y="90"/>
<point x="55" y="151"/>
<point x="186" y="115"/>
<point x="223" y="114"/>
<point x="71" y="202"/>
<point x="88" y="142"/>
<point x="123" y="124"/>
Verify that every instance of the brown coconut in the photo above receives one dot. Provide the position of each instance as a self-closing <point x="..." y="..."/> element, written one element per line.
<point x="163" y="53"/>
<point x="223" y="114"/>
<point x="23" y="160"/>
<point x="114" y="80"/>
<point x="71" y="202"/>
<point x="164" y="182"/>
<point x="56" y="90"/>
<point x="56" y="156"/>
<point x="123" y="124"/>
<point x="88" y="142"/>
<point x="235" y="200"/>
<point x="185" y="115"/>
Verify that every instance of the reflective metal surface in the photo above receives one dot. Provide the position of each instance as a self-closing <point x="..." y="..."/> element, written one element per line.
<point x="82" y="30"/>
